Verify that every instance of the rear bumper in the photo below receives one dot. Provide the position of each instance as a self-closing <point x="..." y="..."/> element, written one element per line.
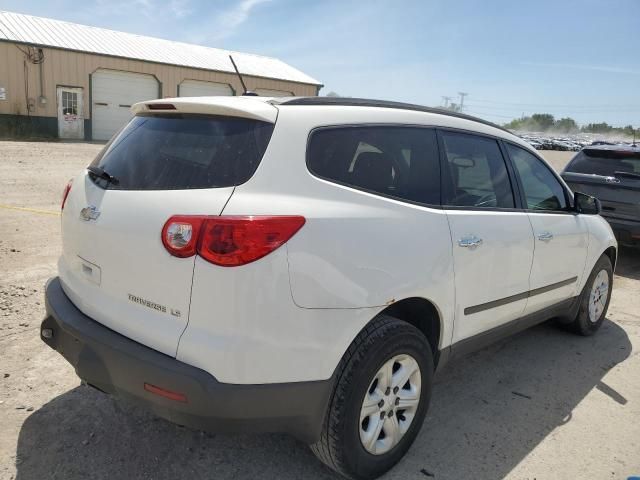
<point x="117" y="365"/>
<point x="627" y="232"/>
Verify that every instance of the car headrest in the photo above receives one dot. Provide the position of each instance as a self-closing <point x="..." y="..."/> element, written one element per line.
<point x="373" y="171"/>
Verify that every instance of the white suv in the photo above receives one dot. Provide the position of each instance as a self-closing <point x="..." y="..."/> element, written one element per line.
<point x="305" y="265"/>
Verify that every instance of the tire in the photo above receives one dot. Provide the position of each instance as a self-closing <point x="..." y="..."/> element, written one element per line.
<point x="589" y="319"/>
<point x="363" y="373"/>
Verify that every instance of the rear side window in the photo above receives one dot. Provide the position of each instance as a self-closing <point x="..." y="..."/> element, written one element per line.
<point x="395" y="161"/>
<point x="173" y="152"/>
<point x="542" y="189"/>
<point x="476" y="172"/>
<point x="605" y="162"/>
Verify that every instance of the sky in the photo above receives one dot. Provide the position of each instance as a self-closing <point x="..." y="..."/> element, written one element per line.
<point x="576" y="58"/>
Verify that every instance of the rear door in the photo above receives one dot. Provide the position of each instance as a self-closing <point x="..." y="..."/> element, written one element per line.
<point x="560" y="234"/>
<point x="114" y="266"/>
<point x="492" y="239"/>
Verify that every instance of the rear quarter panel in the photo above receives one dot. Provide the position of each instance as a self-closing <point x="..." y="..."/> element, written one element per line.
<point x="357" y="250"/>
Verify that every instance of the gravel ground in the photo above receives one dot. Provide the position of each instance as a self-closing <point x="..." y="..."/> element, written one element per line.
<point x="544" y="404"/>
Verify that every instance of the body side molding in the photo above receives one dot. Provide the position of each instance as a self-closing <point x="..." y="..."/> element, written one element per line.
<point x="519" y="296"/>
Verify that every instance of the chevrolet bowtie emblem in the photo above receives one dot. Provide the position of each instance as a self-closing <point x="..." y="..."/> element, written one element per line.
<point x="89" y="213"/>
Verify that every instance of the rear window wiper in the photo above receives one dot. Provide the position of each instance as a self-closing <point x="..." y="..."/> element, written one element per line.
<point x="626" y="174"/>
<point x="102" y="173"/>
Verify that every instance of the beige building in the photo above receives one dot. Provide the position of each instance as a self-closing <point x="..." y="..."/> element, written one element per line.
<point x="59" y="79"/>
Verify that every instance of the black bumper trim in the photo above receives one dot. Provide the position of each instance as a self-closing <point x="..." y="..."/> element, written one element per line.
<point x="120" y="366"/>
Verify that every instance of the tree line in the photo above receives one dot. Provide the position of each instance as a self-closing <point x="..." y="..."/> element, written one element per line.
<point x="544" y="122"/>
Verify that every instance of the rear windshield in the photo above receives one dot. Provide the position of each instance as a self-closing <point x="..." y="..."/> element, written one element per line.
<point x="174" y="152"/>
<point x="605" y="162"/>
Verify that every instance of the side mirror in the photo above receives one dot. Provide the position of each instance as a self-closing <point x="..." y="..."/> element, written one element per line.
<point x="586" y="204"/>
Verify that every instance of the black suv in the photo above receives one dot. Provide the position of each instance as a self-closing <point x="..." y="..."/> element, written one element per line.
<point x="612" y="174"/>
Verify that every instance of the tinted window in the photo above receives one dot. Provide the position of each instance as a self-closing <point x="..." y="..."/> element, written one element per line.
<point x="401" y="162"/>
<point x="173" y="152"/>
<point x="605" y="162"/>
<point x="477" y="174"/>
<point x="542" y="189"/>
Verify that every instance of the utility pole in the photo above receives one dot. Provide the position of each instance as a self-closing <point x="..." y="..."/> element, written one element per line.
<point x="462" y="95"/>
<point x="446" y="101"/>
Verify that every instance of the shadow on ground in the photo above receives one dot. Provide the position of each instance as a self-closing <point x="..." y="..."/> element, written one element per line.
<point x="628" y="264"/>
<point x="489" y="411"/>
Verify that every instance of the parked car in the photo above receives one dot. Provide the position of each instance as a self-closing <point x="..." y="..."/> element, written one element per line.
<point x="560" y="145"/>
<point x="251" y="264"/>
<point x="612" y="174"/>
<point x="535" y="144"/>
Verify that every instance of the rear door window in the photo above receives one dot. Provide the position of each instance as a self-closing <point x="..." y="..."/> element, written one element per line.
<point x="476" y="173"/>
<point x="395" y="161"/>
<point x="605" y="162"/>
<point x="542" y="189"/>
<point x="173" y="152"/>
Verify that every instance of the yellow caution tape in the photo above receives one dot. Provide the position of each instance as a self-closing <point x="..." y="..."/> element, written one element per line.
<point x="32" y="210"/>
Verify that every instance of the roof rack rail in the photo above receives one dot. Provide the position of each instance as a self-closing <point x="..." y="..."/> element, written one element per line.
<point x="365" y="102"/>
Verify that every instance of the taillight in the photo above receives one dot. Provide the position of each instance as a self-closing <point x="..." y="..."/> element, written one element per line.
<point x="228" y="241"/>
<point x="180" y="235"/>
<point x="65" y="194"/>
<point x="233" y="241"/>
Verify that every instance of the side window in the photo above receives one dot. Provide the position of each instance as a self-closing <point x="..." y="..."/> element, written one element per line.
<point x="542" y="189"/>
<point x="477" y="174"/>
<point x="396" y="161"/>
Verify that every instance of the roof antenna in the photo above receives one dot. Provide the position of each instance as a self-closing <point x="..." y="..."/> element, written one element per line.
<point x="247" y="93"/>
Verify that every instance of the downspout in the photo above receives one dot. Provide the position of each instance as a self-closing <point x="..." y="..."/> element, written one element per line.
<point x="42" y="97"/>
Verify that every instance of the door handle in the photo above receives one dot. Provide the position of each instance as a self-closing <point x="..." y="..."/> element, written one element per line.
<point x="470" y="241"/>
<point x="612" y="180"/>
<point x="545" y="236"/>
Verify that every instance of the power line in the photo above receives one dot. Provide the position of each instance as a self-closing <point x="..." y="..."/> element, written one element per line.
<point x="557" y="109"/>
<point x="498" y="102"/>
<point x="484" y="114"/>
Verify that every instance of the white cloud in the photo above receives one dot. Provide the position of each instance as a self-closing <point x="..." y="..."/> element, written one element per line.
<point x="577" y="66"/>
<point x="180" y="8"/>
<point x="229" y="20"/>
<point x="122" y="8"/>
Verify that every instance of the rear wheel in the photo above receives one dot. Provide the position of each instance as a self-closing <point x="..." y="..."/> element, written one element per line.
<point x="595" y="298"/>
<point x="380" y="400"/>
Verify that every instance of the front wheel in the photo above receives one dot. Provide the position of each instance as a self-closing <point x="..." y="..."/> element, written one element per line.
<point x="594" y="300"/>
<point x="380" y="400"/>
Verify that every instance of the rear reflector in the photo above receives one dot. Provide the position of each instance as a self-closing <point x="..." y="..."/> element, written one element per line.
<point x="65" y="193"/>
<point x="161" y="106"/>
<point x="228" y="241"/>
<point x="175" y="396"/>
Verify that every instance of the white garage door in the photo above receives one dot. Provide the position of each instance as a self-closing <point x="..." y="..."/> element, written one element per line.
<point x="197" y="88"/>
<point x="112" y="94"/>
<point x="266" y="92"/>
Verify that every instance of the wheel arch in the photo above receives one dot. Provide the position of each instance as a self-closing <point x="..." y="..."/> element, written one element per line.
<point x="422" y="314"/>
<point x="612" y="253"/>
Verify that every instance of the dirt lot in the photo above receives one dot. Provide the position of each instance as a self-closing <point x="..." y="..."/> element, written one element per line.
<point x="543" y="405"/>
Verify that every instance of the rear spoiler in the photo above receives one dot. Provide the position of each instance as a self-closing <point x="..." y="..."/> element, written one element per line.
<point x="243" y="107"/>
<point x="612" y="152"/>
